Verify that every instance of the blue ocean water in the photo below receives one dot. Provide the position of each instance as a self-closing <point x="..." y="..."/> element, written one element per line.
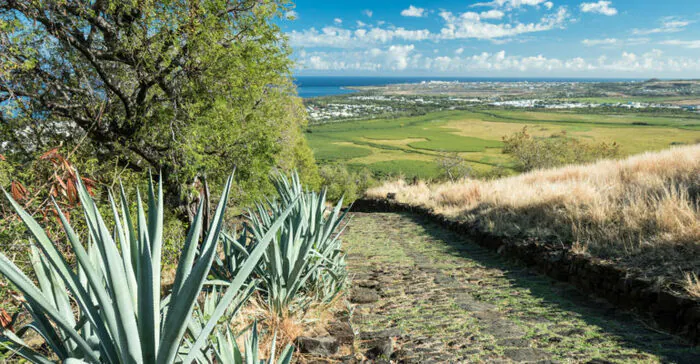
<point x="315" y="86"/>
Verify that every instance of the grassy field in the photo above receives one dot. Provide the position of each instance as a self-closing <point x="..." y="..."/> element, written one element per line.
<point x="641" y="212"/>
<point x="411" y="145"/>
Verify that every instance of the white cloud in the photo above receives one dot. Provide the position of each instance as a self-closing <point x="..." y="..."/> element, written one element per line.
<point x="338" y="21"/>
<point x="513" y="3"/>
<point x="601" y="7"/>
<point x="596" y="42"/>
<point x="668" y="25"/>
<point x="335" y="37"/>
<point x="361" y="24"/>
<point x="405" y="57"/>
<point x="413" y="12"/>
<point x="548" y="5"/>
<point x="470" y="25"/>
<point x="368" y="12"/>
<point x="291" y="15"/>
<point x="397" y="56"/>
<point x="492" y="14"/>
<point x="692" y="44"/>
<point x="614" y="42"/>
<point x="459" y="51"/>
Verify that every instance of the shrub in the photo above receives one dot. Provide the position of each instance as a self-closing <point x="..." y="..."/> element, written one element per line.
<point x="540" y="153"/>
<point x="343" y="183"/>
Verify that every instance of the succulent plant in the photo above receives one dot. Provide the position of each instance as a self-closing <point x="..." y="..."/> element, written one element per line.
<point x="305" y="261"/>
<point x="108" y="308"/>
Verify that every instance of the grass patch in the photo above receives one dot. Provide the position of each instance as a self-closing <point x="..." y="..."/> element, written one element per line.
<point x="478" y="131"/>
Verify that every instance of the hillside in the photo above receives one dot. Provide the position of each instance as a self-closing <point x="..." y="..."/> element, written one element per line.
<point x="641" y="212"/>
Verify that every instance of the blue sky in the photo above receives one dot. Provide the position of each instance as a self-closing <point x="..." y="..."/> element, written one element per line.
<point x="527" y="38"/>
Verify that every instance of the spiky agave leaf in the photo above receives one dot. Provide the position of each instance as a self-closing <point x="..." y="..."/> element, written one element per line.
<point x="305" y="262"/>
<point x="116" y="285"/>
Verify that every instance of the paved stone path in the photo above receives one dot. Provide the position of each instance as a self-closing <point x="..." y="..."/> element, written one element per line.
<point x="442" y="299"/>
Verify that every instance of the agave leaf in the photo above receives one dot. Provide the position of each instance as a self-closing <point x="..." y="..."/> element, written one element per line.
<point x="242" y="276"/>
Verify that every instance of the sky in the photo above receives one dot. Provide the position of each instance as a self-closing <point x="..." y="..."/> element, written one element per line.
<point x="500" y="38"/>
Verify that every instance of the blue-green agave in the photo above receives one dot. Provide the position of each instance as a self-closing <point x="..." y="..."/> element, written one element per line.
<point x="108" y="308"/>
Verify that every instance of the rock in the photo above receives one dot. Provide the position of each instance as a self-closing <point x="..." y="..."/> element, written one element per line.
<point x="380" y="349"/>
<point x="342" y="331"/>
<point x="370" y="283"/>
<point x="383" y="334"/>
<point x="318" y="346"/>
<point x="364" y="295"/>
<point x="526" y="354"/>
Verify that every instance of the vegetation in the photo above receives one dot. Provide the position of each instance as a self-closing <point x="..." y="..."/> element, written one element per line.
<point x="305" y="262"/>
<point x="186" y="89"/>
<point x="641" y="212"/>
<point x="558" y="150"/>
<point x="410" y="146"/>
<point x="122" y="277"/>
<point x="344" y="183"/>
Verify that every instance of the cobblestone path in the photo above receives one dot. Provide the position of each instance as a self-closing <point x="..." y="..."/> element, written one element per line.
<point x="443" y="299"/>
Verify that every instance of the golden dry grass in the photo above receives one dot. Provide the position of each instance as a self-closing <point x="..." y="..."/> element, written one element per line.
<point x="642" y="211"/>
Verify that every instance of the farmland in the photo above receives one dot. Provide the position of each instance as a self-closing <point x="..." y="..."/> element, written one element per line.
<point x="411" y="145"/>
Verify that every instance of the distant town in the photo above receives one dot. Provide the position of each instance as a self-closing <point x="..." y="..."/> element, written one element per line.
<point x="420" y="98"/>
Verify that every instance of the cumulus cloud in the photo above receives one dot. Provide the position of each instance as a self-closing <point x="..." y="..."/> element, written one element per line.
<point x="406" y="57"/>
<point x="669" y="24"/>
<point x="413" y="11"/>
<point x="601" y="7"/>
<point x="338" y="21"/>
<point x="470" y="25"/>
<point x="492" y="14"/>
<point x="368" y="12"/>
<point x="335" y="37"/>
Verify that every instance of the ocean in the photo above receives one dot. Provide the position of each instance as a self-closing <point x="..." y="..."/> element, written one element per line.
<point x="315" y="86"/>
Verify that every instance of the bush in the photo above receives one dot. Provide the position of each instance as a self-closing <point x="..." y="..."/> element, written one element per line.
<point x="343" y="183"/>
<point x="540" y="153"/>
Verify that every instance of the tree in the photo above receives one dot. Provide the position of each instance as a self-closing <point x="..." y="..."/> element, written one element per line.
<point x="453" y="166"/>
<point x="182" y="88"/>
<point x="557" y="150"/>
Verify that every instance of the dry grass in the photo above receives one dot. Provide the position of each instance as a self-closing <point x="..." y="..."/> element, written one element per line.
<point x="692" y="284"/>
<point x="642" y="211"/>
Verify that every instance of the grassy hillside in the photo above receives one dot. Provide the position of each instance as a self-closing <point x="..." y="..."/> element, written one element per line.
<point x="410" y="144"/>
<point x="642" y="212"/>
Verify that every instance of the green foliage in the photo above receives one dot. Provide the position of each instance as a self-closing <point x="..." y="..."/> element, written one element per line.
<point x="305" y="261"/>
<point x="224" y="346"/>
<point x="183" y="88"/>
<point x="227" y="351"/>
<point x="453" y="166"/>
<point x="119" y="315"/>
<point x="341" y="182"/>
<point x="557" y="150"/>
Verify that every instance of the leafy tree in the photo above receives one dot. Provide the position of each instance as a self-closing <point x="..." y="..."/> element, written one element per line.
<point x="557" y="150"/>
<point x="180" y="87"/>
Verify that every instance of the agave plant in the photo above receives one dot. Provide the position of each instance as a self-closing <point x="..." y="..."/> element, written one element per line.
<point x="227" y="351"/>
<point x="305" y="261"/>
<point x="224" y="348"/>
<point x="109" y="309"/>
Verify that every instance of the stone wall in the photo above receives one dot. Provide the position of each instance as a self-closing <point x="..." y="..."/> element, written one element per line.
<point x="669" y="311"/>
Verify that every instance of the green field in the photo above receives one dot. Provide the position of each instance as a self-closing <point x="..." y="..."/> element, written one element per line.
<point x="410" y="146"/>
